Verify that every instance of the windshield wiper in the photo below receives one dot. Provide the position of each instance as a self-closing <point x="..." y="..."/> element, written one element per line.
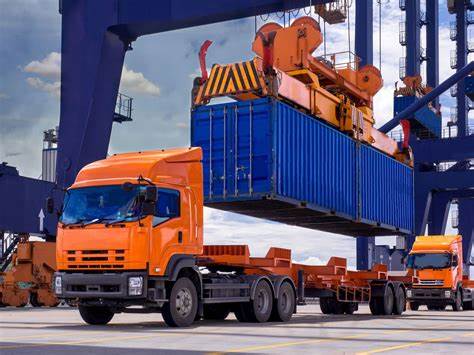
<point x="85" y="222"/>
<point x="115" y="222"/>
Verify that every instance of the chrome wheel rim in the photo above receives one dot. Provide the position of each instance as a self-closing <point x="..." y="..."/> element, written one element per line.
<point x="263" y="301"/>
<point x="184" y="302"/>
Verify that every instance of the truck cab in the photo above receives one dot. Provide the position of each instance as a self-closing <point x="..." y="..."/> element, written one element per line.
<point x="436" y="261"/>
<point x="130" y="234"/>
<point x="128" y="224"/>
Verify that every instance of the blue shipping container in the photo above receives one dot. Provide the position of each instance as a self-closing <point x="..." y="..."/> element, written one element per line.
<point x="266" y="159"/>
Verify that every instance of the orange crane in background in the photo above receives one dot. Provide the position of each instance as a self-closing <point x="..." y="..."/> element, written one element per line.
<point x="339" y="93"/>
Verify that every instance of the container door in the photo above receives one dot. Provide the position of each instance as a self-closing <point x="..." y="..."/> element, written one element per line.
<point x="236" y="142"/>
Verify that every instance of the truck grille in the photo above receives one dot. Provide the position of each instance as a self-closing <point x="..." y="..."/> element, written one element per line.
<point x="95" y="259"/>
<point x="431" y="282"/>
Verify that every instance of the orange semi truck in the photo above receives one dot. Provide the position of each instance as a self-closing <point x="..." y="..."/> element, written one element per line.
<point x="437" y="263"/>
<point x="131" y="234"/>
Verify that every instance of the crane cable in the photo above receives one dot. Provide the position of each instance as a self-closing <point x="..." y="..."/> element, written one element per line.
<point x="349" y="31"/>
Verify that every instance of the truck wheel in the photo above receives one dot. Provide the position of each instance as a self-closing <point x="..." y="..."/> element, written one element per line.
<point x="216" y="311"/>
<point x="457" y="304"/>
<point x="350" y="307"/>
<point x="376" y="306"/>
<point x="260" y="308"/>
<point x="241" y="312"/>
<point x="414" y="306"/>
<point x="400" y="301"/>
<point x="468" y="305"/>
<point x="338" y="307"/>
<point x="327" y="305"/>
<point x="181" y="309"/>
<point x="34" y="300"/>
<point x="284" y="305"/>
<point x="96" y="315"/>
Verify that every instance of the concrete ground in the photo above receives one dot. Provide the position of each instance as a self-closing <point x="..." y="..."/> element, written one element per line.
<point x="61" y="331"/>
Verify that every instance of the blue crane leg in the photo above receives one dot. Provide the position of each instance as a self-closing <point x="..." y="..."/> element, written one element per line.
<point x="364" y="31"/>
<point x="466" y="228"/>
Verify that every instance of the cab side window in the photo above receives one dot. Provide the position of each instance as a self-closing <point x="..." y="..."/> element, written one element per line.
<point x="167" y="206"/>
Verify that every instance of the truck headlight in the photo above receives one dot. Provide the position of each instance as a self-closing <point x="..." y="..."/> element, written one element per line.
<point x="135" y="286"/>
<point x="58" y="285"/>
<point x="409" y="293"/>
<point x="447" y="294"/>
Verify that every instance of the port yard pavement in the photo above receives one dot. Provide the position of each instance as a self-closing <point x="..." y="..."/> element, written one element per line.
<point x="61" y="330"/>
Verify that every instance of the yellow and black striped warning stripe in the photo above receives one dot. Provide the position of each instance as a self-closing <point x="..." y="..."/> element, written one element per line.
<point x="232" y="78"/>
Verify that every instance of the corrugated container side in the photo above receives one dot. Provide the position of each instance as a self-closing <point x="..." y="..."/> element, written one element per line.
<point x="314" y="163"/>
<point x="266" y="151"/>
<point x="386" y="190"/>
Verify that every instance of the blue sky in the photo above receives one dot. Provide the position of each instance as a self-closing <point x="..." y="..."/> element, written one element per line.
<point x="158" y="75"/>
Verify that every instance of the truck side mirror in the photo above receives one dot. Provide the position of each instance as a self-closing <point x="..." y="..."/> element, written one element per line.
<point x="455" y="260"/>
<point x="150" y="194"/>
<point x="49" y="205"/>
<point x="149" y="201"/>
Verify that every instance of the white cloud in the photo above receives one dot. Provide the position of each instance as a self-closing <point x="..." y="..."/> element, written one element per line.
<point x="50" y="66"/>
<point x="53" y="88"/>
<point x="135" y="82"/>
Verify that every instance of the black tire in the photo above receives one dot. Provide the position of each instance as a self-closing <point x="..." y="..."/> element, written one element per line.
<point x="96" y="315"/>
<point x="414" y="306"/>
<point x="34" y="300"/>
<point x="338" y="307"/>
<point x="388" y="301"/>
<point x="259" y="309"/>
<point x="375" y="306"/>
<point x="400" y="301"/>
<point x="457" y="303"/>
<point x="327" y="305"/>
<point x="241" y="312"/>
<point x="468" y="305"/>
<point x="216" y="311"/>
<point x="181" y="309"/>
<point x="350" y="307"/>
<point x="284" y="304"/>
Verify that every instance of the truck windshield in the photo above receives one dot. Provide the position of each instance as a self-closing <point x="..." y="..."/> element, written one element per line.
<point x="429" y="261"/>
<point x="101" y="203"/>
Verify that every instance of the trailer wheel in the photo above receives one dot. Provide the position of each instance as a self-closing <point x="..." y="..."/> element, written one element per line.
<point x="468" y="305"/>
<point x="400" y="301"/>
<point x="284" y="304"/>
<point x="350" y="307"/>
<point x="387" y="301"/>
<point x="414" y="306"/>
<point x="339" y="307"/>
<point x="457" y="304"/>
<point x="241" y="312"/>
<point x="260" y="308"/>
<point x="327" y="305"/>
<point x="216" y="311"/>
<point x="34" y="300"/>
<point x="376" y="306"/>
<point x="181" y="309"/>
<point x="96" y="315"/>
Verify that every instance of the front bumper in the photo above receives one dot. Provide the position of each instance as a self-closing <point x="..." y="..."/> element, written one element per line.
<point x="98" y="286"/>
<point x="430" y="294"/>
